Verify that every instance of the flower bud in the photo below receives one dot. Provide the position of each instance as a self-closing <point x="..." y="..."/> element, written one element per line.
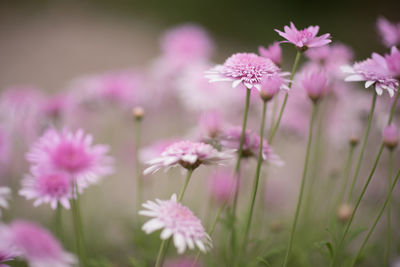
<point x="138" y="113"/>
<point x="273" y="52"/>
<point x="315" y="83"/>
<point x="344" y="212"/>
<point x="354" y="139"/>
<point x="390" y="136"/>
<point x="270" y="86"/>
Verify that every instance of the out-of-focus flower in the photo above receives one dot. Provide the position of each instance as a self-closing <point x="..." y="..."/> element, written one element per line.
<point x="182" y="262"/>
<point x="374" y="71"/>
<point x="390" y="136"/>
<point x="177" y="221"/>
<point x="304" y="39"/>
<point x="72" y="153"/>
<point x="55" y="106"/>
<point x="189" y="155"/>
<point x="390" y="32"/>
<point x="5" y="194"/>
<point x="222" y="185"/>
<point x="315" y="83"/>
<point x="47" y="186"/>
<point x="273" y="52"/>
<point x="393" y="62"/>
<point x="34" y="244"/>
<point x="198" y="94"/>
<point x="138" y="113"/>
<point x="271" y="85"/>
<point x="155" y="150"/>
<point x="186" y="43"/>
<point x="344" y="212"/>
<point x="231" y="139"/>
<point x="211" y="124"/>
<point x="247" y="69"/>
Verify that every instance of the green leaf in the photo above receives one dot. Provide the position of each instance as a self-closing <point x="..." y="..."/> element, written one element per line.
<point x="266" y="263"/>
<point x="354" y="234"/>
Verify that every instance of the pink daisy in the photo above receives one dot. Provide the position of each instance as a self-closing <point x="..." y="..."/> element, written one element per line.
<point x="389" y="32"/>
<point x="5" y="194"/>
<point x="231" y="139"/>
<point x="315" y="83"/>
<point x="55" y="106"/>
<point x="273" y="52"/>
<point x="72" y="153"/>
<point x="34" y="244"/>
<point x="393" y="62"/>
<point x="47" y="186"/>
<point x="374" y="71"/>
<point x="304" y="39"/>
<point x="189" y="155"/>
<point x="177" y="221"/>
<point x="247" y="69"/>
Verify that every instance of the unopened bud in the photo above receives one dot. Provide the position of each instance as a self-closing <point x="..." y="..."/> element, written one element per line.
<point x="354" y="139"/>
<point x="390" y="136"/>
<point x="344" y="212"/>
<point x="138" y="113"/>
<point x="276" y="226"/>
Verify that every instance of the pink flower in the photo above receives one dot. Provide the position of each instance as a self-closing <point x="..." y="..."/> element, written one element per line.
<point x="186" y="43"/>
<point x="304" y="39"/>
<point x="177" y="221"/>
<point x="231" y="140"/>
<point x="271" y="85"/>
<point x="72" y="153"/>
<point x="389" y="32"/>
<point x="247" y="69"/>
<point x="55" y="106"/>
<point x="189" y="155"/>
<point x="34" y="244"/>
<point x="221" y="185"/>
<point x="273" y="52"/>
<point x="47" y="186"/>
<point x="374" y="71"/>
<point x="211" y="123"/>
<point x="182" y="262"/>
<point x="393" y="61"/>
<point x="315" y="83"/>
<point x="391" y="136"/>
<point x="5" y="194"/>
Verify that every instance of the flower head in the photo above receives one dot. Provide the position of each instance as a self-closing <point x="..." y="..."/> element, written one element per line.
<point x="5" y="194"/>
<point x="315" y="83"/>
<point x="34" y="244"/>
<point x="389" y="32"/>
<point x="187" y="154"/>
<point x="393" y="62"/>
<point x="304" y="39"/>
<point x="243" y="68"/>
<point x="47" y="186"/>
<point x="221" y="185"/>
<point x="72" y="153"/>
<point x="390" y="136"/>
<point x="273" y="52"/>
<point x="186" y="43"/>
<point x="231" y="139"/>
<point x="374" y="71"/>
<point x="271" y="85"/>
<point x="211" y="123"/>
<point x="177" y="221"/>
<point x="55" y="106"/>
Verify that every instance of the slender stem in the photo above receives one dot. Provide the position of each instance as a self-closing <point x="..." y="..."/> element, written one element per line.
<point x="360" y="157"/>
<point x="58" y="222"/>
<point x="303" y="180"/>
<point x="389" y="212"/>
<point x="273" y="132"/>
<point x="256" y="178"/>
<point x="340" y="243"/>
<point x="165" y="243"/>
<point x="237" y="169"/>
<point x="139" y="179"/>
<point x="346" y="174"/>
<point x="77" y="226"/>
<point x="389" y="196"/>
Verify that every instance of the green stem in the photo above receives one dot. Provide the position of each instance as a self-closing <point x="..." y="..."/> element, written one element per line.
<point x="139" y="179"/>
<point x="389" y="212"/>
<point x="360" y="157"/>
<point x="237" y="170"/>
<point x="77" y="226"/>
<point x="387" y="201"/>
<point x="165" y="243"/>
<point x="273" y="132"/>
<point x="58" y="222"/>
<point x="303" y="180"/>
<point x="256" y="178"/>
<point x="346" y="174"/>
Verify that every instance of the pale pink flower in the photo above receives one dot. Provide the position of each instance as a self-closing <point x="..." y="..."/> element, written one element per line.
<point x="177" y="221"/>
<point x="391" y="136"/>
<point x="55" y="106"/>
<point x="393" y="62"/>
<point x="47" y="186"/>
<point x="72" y="153"/>
<point x="271" y="85"/>
<point x="5" y="194"/>
<point x="315" y="83"/>
<point x="182" y="262"/>
<point x="273" y="52"/>
<point x="390" y="32"/>
<point x="231" y="139"/>
<point x="185" y="44"/>
<point x="189" y="155"/>
<point x="221" y="185"/>
<point x="210" y="124"/>
<point x="34" y="244"/>
<point x="304" y="39"/>
<point x="374" y="71"/>
<point x="247" y="69"/>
